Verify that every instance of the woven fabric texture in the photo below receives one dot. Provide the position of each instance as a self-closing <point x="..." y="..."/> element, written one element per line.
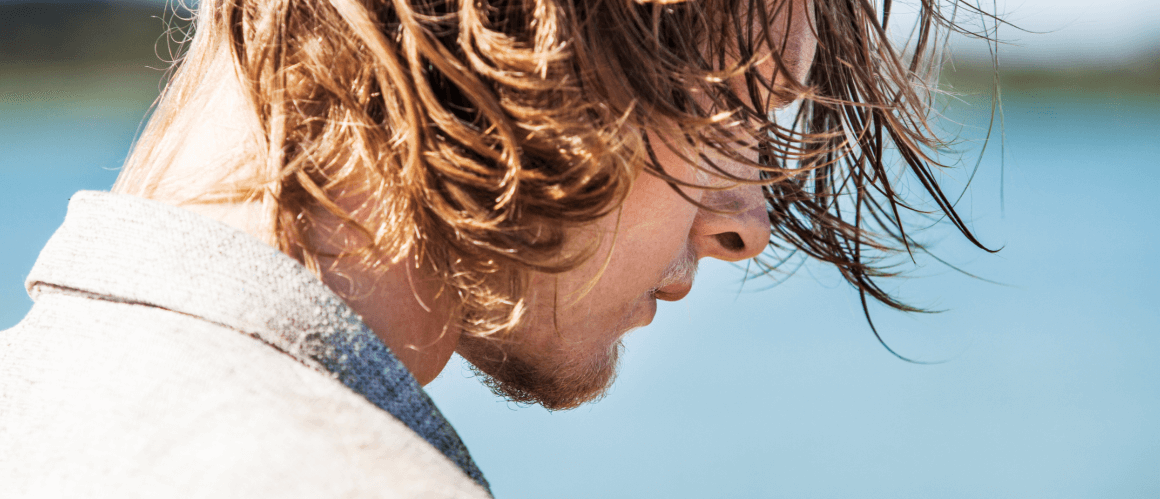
<point x="167" y="351"/>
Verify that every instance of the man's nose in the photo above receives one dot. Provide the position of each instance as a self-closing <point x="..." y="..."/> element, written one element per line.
<point x="733" y="226"/>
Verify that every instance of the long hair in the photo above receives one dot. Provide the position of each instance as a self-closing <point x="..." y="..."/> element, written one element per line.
<point x="475" y="134"/>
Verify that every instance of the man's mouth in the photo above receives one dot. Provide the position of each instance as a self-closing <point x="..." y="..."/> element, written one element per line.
<point x="674" y="292"/>
<point x="677" y="280"/>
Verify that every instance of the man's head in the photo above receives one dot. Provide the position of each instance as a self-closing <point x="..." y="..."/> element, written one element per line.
<point x="542" y="171"/>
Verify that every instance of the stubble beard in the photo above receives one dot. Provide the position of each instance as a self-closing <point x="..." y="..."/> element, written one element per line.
<point x="527" y="379"/>
<point x="559" y="380"/>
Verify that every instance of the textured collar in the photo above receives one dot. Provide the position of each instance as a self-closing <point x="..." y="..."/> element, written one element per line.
<point x="127" y="249"/>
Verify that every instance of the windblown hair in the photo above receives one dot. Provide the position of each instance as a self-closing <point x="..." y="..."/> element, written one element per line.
<point x="474" y="134"/>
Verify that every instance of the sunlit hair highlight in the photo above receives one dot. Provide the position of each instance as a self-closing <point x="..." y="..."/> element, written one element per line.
<point x="474" y="135"/>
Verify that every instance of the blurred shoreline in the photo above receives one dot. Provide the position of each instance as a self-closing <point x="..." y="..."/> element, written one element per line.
<point x="127" y="46"/>
<point x="1139" y="75"/>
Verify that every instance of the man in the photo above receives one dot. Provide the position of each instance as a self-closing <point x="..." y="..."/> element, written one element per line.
<point x="332" y="197"/>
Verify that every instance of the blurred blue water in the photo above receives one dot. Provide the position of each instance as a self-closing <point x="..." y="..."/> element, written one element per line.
<point x="1048" y="385"/>
<point x="51" y="148"/>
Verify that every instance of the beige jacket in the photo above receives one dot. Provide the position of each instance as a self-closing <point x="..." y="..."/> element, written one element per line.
<point x="168" y="355"/>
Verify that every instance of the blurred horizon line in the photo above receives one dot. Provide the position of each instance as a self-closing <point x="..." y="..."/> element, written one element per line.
<point x="101" y="33"/>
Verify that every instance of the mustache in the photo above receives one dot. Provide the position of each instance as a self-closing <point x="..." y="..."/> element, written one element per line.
<point x="681" y="269"/>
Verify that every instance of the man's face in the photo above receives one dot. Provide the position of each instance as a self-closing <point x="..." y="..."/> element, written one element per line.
<point x="565" y="352"/>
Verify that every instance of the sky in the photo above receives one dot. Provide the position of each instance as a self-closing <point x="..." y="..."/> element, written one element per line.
<point x="1069" y="31"/>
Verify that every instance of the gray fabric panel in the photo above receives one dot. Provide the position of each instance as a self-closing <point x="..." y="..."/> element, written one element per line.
<point x="187" y="268"/>
<point x="106" y="399"/>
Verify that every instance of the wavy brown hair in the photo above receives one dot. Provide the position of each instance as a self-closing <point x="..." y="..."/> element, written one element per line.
<point x="475" y="134"/>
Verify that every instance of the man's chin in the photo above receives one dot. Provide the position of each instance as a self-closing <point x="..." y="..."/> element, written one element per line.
<point x="555" y="384"/>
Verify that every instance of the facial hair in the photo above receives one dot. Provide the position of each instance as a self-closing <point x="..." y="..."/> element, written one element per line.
<point x="524" y="379"/>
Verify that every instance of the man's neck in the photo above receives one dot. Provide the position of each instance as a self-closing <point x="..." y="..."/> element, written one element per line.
<point x="217" y="150"/>
<point x="406" y="307"/>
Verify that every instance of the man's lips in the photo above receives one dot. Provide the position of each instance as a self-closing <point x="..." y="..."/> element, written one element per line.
<point x="675" y="291"/>
<point x="677" y="279"/>
<point x="677" y="283"/>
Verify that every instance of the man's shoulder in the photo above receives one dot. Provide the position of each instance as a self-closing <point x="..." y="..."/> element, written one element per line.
<point x="108" y="398"/>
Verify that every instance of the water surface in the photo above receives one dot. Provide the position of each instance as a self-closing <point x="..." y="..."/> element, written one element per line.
<point x="1045" y="386"/>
